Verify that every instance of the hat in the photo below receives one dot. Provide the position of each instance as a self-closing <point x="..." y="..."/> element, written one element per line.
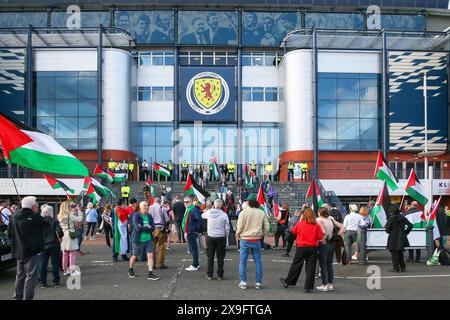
<point x="251" y="197"/>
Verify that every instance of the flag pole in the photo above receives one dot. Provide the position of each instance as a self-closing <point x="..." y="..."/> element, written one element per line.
<point x="401" y="203"/>
<point x="15" y="187"/>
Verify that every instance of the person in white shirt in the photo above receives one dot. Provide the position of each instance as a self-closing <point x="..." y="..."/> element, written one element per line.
<point x="352" y="221"/>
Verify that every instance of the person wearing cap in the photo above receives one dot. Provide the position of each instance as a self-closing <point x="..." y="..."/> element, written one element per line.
<point x="25" y="230"/>
<point x="252" y="225"/>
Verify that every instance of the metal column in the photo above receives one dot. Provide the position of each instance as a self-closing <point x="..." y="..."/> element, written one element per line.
<point x="385" y="97"/>
<point x="239" y="100"/>
<point x="315" y="97"/>
<point x="29" y="79"/>
<point x="176" y="106"/>
<point x="100" y="96"/>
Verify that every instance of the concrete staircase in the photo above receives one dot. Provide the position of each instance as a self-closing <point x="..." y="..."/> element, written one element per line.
<point x="291" y="193"/>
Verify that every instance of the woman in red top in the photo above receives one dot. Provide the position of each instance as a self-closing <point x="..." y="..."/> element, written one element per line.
<point x="309" y="233"/>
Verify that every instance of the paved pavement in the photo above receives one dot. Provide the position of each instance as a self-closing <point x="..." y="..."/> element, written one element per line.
<point x="102" y="279"/>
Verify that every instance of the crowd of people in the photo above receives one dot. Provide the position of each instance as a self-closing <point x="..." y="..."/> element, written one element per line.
<point x="145" y="232"/>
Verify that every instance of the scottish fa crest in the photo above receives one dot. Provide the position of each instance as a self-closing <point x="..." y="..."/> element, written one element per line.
<point x="207" y="93"/>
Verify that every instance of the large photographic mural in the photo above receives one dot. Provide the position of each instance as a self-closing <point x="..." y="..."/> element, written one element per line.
<point x="406" y="101"/>
<point x="12" y="83"/>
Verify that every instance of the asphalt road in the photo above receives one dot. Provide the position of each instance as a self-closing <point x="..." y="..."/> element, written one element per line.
<point x="102" y="279"/>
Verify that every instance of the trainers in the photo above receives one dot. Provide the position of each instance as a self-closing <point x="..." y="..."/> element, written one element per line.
<point x="243" y="285"/>
<point x="220" y="278"/>
<point x="323" y="288"/>
<point x="210" y="278"/>
<point x="131" y="274"/>
<point x="56" y="285"/>
<point x="75" y="273"/>
<point x="283" y="282"/>
<point x="258" y="286"/>
<point x="44" y="286"/>
<point x="92" y="238"/>
<point x="354" y="257"/>
<point x="192" y="268"/>
<point x="66" y="273"/>
<point x="330" y="287"/>
<point x="169" y="249"/>
<point x="285" y="255"/>
<point x="151" y="276"/>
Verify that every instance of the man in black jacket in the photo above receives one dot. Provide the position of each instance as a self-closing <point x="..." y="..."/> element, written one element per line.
<point x="178" y="211"/>
<point x="25" y="231"/>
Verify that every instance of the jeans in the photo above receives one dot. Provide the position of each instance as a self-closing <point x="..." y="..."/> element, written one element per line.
<point x="290" y="174"/>
<point x="254" y="248"/>
<point x="215" y="246"/>
<point x="350" y="238"/>
<point x="55" y="255"/>
<point x="90" y="227"/>
<point x="180" y="231"/>
<point x="326" y="252"/>
<point x="193" y="249"/>
<point x="26" y="278"/>
<point x="308" y="254"/>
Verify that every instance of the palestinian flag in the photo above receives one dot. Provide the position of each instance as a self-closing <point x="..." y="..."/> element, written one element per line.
<point x="161" y="169"/>
<point x="56" y="184"/>
<point x="418" y="219"/>
<point x="383" y="172"/>
<point x="313" y="195"/>
<point x="415" y="189"/>
<point x="149" y="180"/>
<point x="92" y="194"/>
<point x="214" y="168"/>
<point x="432" y="219"/>
<point x="152" y="195"/>
<point x="266" y="178"/>
<point x="192" y="187"/>
<point x="276" y="209"/>
<point x="101" y="189"/>
<point x="185" y="222"/>
<point x="247" y="176"/>
<point x="35" y="150"/>
<point x="99" y="172"/>
<point x="263" y="205"/>
<point x="380" y="211"/>
<point x="119" y="177"/>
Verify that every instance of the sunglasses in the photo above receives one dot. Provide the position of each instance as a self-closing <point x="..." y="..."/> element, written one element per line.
<point x="187" y="201"/>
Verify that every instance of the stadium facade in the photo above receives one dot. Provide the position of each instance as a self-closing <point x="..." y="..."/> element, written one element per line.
<point x="322" y="81"/>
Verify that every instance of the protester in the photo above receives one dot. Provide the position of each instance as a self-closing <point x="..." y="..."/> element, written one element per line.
<point x="161" y="220"/>
<point x="193" y="219"/>
<point x="352" y="221"/>
<point x="397" y="240"/>
<point x="168" y="207"/>
<point x="25" y="230"/>
<point x="282" y="226"/>
<point x="70" y="216"/>
<point x="230" y="207"/>
<point x="80" y="232"/>
<point x="309" y="233"/>
<point x="143" y="227"/>
<point x="119" y="219"/>
<point x="335" y="213"/>
<point x="5" y="213"/>
<point x="290" y="237"/>
<point x="326" y="248"/>
<point x="178" y="210"/>
<point x="107" y="225"/>
<point x="252" y="225"/>
<point x="367" y="222"/>
<point x="91" y="219"/>
<point x="52" y="247"/>
<point x="218" y="229"/>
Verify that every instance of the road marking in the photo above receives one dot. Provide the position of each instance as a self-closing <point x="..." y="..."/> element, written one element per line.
<point x="187" y="260"/>
<point x="103" y="264"/>
<point x="399" y="277"/>
<point x="286" y="261"/>
<point x="101" y="261"/>
<point x="173" y="283"/>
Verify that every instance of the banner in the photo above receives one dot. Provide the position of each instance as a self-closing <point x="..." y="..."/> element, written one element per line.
<point x="297" y="170"/>
<point x="207" y="94"/>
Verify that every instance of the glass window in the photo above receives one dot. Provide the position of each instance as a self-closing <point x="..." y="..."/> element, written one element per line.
<point x="46" y="125"/>
<point x="368" y="129"/>
<point x="45" y="88"/>
<point x="87" y="127"/>
<point x="327" y="89"/>
<point x="327" y="128"/>
<point x="251" y="136"/>
<point x="186" y="135"/>
<point x="45" y="108"/>
<point x="270" y="94"/>
<point x="157" y="94"/>
<point x="66" y="127"/>
<point x="147" y="135"/>
<point x="69" y="144"/>
<point x="347" y="89"/>
<point x="87" y="144"/>
<point x="169" y="94"/>
<point x="327" y="144"/>
<point x="369" y="109"/>
<point x="347" y="144"/>
<point x="87" y="107"/>
<point x="246" y="60"/>
<point x="347" y="109"/>
<point x="66" y="87"/>
<point x="164" y="136"/>
<point x="269" y="59"/>
<point x="246" y="94"/>
<point x="327" y="108"/>
<point x="164" y="154"/>
<point x="88" y="87"/>
<point x="148" y="153"/>
<point x="258" y="94"/>
<point x="145" y="60"/>
<point x="66" y="107"/>
<point x="369" y="145"/>
<point x="348" y="129"/>
<point x="368" y="89"/>
<point x="229" y="135"/>
<point x="220" y="60"/>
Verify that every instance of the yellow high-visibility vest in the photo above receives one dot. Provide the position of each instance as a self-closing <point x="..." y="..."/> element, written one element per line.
<point x="184" y="165"/>
<point x="170" y="166"/>
<point x="125" y="191"/>
<point x="111" y="165"/>
<point x="253" y="166"/>
<point x="231" y="168"/>
<point x="304" y="166"/>
<point x="131" y="166"/>
<point x="291" y="166"/>
<point x="269" y="168"/>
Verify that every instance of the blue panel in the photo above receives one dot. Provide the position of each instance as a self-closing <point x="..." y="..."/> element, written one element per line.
<point x="406" y="104"/>
<point x="23" y="19"/>
<point x="335" y="20"/>
<point x="207" y="94"/>
<point x="208" y="27"/>
<point x="267" y="28"/>
<point x="147" y="26"/>
<point x="403" y="22"/>
<point x="12" y="88"/>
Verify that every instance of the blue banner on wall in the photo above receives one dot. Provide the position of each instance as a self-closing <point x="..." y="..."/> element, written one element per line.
<point x="207" y="94"/>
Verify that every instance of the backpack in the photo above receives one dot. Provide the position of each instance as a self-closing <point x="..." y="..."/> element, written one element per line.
<point x="444" y="257"/>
